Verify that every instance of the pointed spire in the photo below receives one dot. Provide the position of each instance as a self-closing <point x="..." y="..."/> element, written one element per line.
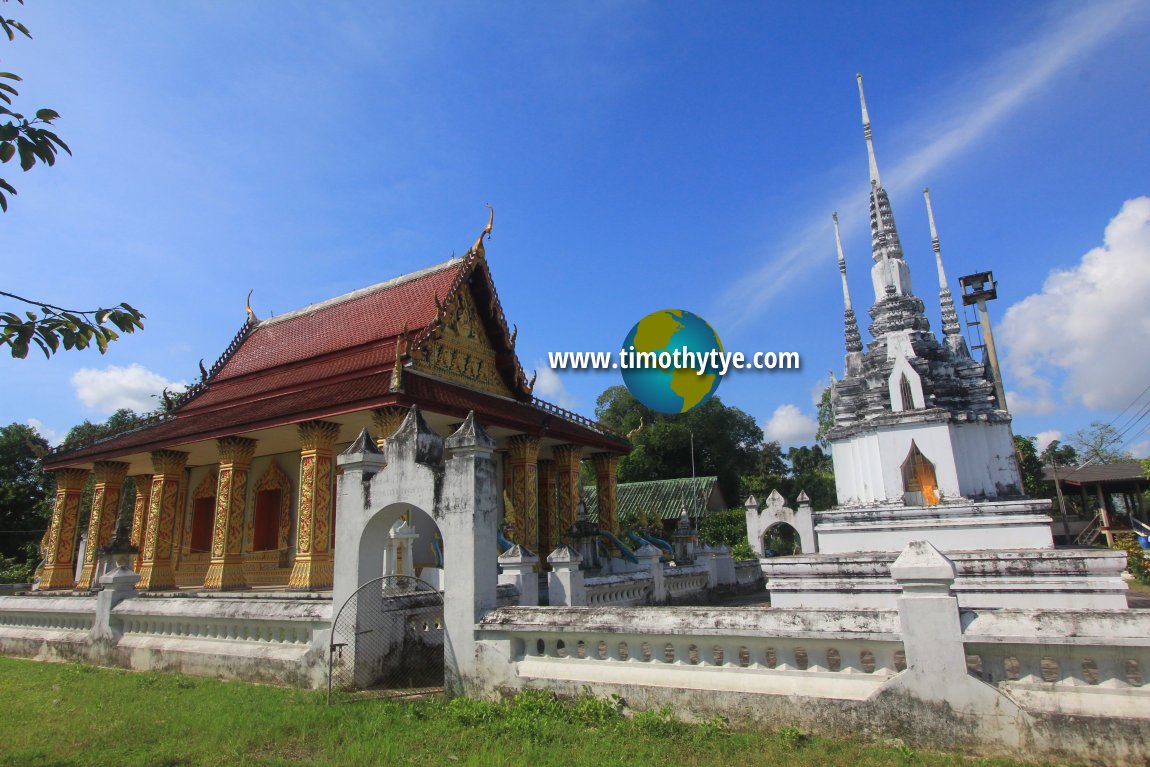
<point x="950" y="325"/>
<point x="851" y="328"/>
<point x="884" y="235"/>
<point x="868" y="136"/>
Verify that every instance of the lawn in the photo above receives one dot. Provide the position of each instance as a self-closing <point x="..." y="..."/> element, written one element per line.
<point x="71" y="714"/>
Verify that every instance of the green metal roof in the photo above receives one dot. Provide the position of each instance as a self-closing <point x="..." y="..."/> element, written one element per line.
<point x="662" y="498"/>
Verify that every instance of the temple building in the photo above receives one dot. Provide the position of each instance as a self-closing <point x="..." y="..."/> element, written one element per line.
<point x="923" y="450"/>
<point x="235" y="480"/>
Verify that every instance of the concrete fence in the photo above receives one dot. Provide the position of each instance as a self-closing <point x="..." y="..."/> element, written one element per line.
<point x="1029" y="683"/>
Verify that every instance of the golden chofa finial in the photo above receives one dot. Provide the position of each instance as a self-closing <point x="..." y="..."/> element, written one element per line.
<point x="478" y="246"/>
<point x="248" y="307"/>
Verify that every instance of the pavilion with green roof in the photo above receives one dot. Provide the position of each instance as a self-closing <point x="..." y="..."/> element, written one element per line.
<point x="662" y="499"/>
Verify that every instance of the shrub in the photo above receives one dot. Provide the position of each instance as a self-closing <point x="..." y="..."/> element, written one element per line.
<point x="1136" y="563"/>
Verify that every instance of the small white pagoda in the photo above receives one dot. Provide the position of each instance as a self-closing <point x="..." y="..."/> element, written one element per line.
<point x="923" y="451"/>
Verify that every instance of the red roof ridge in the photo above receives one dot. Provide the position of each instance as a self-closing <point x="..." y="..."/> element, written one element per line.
<point x="310" y="308"/>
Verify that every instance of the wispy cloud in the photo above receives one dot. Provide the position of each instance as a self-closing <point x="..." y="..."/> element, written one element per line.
<point x="133" y="387"/>
<point x="991" y="95"/>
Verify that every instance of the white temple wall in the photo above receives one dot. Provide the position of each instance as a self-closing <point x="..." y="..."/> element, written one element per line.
<point x="988" y="466"/>
<point x="868" y="467"/>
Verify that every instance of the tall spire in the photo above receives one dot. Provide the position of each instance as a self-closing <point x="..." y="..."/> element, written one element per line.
<point x="874" y="177"/>
<point x="851" y="328"/>
<point x="950" y="324"/>
<point x="884" y="236"/>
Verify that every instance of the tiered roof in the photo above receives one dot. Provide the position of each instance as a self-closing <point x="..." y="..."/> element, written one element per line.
<point x="353" y="353"/>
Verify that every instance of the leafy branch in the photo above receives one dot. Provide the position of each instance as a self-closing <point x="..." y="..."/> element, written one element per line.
<point x="19" y="136"/>
<point x="56" y="326"/>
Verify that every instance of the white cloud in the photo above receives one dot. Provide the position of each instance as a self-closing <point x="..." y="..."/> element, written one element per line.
<point x="51" y="435"/>
<point x="114" y="387"/>
<point x="1088" y="323"/>
<point x="1141" y="449"/>
<point x="549" y="386"/>
<point x="993" y="94"/>
<point x="789" y="426"/>
<point x="1044" y="438"/>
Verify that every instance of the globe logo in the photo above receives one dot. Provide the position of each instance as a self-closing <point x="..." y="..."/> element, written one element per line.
<point x="657" y="368"/>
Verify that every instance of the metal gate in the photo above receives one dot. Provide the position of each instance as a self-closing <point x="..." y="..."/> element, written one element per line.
<point x="388" y="635"/>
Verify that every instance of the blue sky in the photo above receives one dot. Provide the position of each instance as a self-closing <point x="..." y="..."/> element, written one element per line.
<point x="639" y="156"/>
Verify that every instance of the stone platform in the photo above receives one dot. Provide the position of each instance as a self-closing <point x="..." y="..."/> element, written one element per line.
<point x="1052" y="578"/>
<point x="960" y="525"/>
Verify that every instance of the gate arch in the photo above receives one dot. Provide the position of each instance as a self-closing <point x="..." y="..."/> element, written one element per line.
<point x="388" y="635"/>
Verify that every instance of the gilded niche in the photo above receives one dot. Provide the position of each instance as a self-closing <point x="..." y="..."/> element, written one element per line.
<point x="461" y="352"/>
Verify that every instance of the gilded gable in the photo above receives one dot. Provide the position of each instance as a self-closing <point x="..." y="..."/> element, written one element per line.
<point x="461" y="351"/>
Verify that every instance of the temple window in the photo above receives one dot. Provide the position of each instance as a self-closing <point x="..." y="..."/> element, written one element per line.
<point x="269" y="528"/>
<point x="197" y="536"/>
<point x="920" y="483"/>
<point x="906" y="392"/>
<point x="203" y="517"/>
<point x="266" y="534"/>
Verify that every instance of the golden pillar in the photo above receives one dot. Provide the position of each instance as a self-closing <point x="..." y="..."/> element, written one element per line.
<point x="386" y="420"/>
<point x="156" y="559"/>
<point x="523" y="455"/>
<point x="59" y="568"/>
<point x="226" y="570"/>
<point x="606" y="464"/>
<point x="313" y="566"/>
<point x="548" y="517"/>
<point x="102" y="521"/>
<point x="568" y="459"/>
<point x="140" y="516"/>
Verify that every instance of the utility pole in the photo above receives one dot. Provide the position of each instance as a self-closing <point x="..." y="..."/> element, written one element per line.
<point x="1061" y="500"/>
<point x="977" y="289"/>
<point x="692" y="455"/>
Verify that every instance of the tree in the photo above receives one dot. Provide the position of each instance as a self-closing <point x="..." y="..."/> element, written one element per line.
<point x="1034" y="481"/>
<point x="122" y="419"/>
<point x="826" y="416"/>
<point x="812" y="472"/>
<point x="25" y="500"/>
<point x="1059" y="454"/>
<point x="54" y="326"/>
<point x="726" y="440"/>
<point x="1099" y="443"/>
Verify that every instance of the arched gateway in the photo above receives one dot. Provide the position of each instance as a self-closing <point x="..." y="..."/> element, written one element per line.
<point x="452" y="479"/>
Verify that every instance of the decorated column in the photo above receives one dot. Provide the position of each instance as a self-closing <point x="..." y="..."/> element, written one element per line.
<point x="143" y="484"/>
<point x="568" y="459"/>
<point x="385" y="421"/>
<point x="523" y="455"/>
<point x="139" y="515"/>
<point x="548" y="517"/>
<point x="59" y="567"/>
<point x="313" y="567"/>
<point x="102" y="521"/>
<point x="226" y="570"/>
<point x="156" y="562"/>
<point x="606" y="465"/>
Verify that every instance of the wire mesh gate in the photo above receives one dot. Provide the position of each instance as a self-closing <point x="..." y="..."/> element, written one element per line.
<point x="388" y="635"/>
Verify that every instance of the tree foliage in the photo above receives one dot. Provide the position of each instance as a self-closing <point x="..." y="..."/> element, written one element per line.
<point x="25" y="500"/>
<point x="826" y="417"/>
<point x="801" y="469"/>
<point x="726" y="440"/>
<point x="30" y="140"/>
<point x="1034" y="482"/>
<point x="1099" y="443"/>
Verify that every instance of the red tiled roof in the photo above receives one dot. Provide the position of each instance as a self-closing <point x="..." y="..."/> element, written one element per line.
<point x="365" y="316"/>
<point x="337" y="357"/>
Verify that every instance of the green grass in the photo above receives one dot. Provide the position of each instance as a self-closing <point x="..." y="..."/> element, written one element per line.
<point x="71" y="714"/>
<point x="1138" y="587"/>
